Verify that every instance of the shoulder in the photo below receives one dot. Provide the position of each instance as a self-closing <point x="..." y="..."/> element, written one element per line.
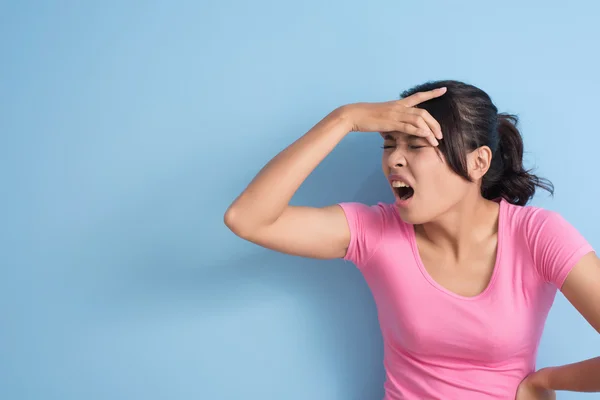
<point x="554" y="244"/>
<point x="380" y="212"/>
<point x="367" y="225"/>
<point x="532" y="220"/>
<point x="540" y="228"/>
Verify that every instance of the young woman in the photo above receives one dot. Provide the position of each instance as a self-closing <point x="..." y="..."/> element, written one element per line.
<point x="463" y="273"/>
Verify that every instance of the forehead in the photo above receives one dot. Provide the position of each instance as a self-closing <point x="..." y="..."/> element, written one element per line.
<point x="400" y="136"/>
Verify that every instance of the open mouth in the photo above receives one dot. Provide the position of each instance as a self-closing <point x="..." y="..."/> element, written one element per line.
<point x="403" y="191"/>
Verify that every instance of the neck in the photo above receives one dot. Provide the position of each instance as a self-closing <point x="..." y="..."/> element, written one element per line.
<point x="466" y="224"/>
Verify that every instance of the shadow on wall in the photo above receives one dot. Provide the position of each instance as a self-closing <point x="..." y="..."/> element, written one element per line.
<point x="337" y="303"/>
<point x="149" y="290"/>
<point x="337" y="313"/>
<point x="142" y="281"/>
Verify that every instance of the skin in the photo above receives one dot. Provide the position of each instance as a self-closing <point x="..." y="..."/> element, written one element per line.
<point x="456" y="228"/>
<point x="582" y="289"/>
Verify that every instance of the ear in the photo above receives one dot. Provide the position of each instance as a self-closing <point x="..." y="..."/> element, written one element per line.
<point x="479" y="161"/>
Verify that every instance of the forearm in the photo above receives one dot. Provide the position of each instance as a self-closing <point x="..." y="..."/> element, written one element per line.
<point x="270" y="192"/>
<point x="583" y="376"/>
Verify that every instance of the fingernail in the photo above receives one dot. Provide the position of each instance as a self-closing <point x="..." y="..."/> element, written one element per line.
<point x="435" y="142"/>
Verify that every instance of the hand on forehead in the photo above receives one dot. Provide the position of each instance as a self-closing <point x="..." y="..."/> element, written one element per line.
<point x="402" y="137"/>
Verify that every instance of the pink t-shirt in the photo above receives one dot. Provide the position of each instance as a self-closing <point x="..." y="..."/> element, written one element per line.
<point x="440" y="345"/>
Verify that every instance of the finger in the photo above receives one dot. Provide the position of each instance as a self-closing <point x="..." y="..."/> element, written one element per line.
<point x="412" y="129"/>
<point x="423" y="125"/>
<point x="434" y="142"/>
<point x="413" y="116"/>
<point x="429" y="120"/>
<point x="421" y="97"/>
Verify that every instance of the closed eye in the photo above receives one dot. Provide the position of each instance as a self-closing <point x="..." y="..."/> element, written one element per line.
<point x="411" y="147"/>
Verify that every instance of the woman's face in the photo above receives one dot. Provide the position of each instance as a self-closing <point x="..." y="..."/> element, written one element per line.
<point x="433" y="188"/>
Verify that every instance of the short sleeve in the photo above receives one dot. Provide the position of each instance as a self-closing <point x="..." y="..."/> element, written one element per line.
<point x="366" y="230"/>
<point x="555" y="245"/>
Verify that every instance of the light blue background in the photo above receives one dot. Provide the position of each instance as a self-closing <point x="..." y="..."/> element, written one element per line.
<point x="128" y="127"/>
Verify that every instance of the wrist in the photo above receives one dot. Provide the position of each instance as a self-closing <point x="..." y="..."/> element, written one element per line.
<point x="541" y="378"/>
<point x="344" y="116"/>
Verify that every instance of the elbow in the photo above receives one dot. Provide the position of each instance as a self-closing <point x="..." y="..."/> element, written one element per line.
<point x="234" y="222"/>
<point x="230" y="219"/>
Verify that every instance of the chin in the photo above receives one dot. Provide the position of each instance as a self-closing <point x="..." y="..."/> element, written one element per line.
<point x="411" y="216"/>
<point x="419" y="212"/>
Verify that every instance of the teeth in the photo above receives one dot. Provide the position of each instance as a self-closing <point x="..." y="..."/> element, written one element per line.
<point x="397" y="184"/>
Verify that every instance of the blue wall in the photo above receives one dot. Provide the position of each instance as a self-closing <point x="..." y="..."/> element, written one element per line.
<point x="128" y="127"/>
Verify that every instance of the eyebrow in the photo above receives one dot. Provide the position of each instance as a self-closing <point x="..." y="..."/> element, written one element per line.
<point x="409" y="138"/>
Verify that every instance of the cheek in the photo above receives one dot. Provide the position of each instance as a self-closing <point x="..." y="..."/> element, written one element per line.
<point x="435" y="177"/>
<point x="431" y="171"/>
<point x="443" y="184"/>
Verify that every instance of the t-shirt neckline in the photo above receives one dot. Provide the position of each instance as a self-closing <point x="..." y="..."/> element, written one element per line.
<point x="417" y="256"/>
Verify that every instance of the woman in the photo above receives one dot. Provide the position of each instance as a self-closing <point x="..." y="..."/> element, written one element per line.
<point x="463" y="273"/>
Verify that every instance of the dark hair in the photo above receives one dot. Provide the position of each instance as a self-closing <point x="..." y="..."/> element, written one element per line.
<point x="470" y="120"/>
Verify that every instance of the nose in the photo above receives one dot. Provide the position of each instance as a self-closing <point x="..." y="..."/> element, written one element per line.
<point x="396" y="158"/>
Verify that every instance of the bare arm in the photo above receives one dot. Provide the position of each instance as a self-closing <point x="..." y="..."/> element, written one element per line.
<point x="582" y="289"/>
<point x="262" y="214"/>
